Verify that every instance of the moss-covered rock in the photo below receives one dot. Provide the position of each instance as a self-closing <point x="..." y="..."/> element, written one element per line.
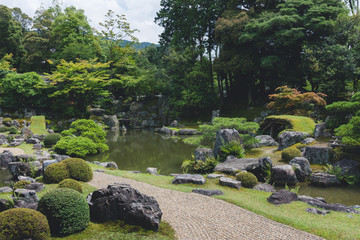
<point x="23" y="223"/>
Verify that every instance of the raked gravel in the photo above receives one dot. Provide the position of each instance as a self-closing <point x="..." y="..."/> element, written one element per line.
<point x="195" y="216"/>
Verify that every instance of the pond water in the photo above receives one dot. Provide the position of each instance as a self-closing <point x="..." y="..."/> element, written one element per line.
<point x="139" y="149"/>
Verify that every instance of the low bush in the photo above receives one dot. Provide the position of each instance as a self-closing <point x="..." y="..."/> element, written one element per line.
<point x="56" y="172"/>
<point x="248" y="180"/>
<point x="72" y="184"/>
<point x="22" y="223"/>
<point x="231" y="149"/>
<point x="51" y="139"/>
<point x="21" y="184"/>
<point x="12" y="130"/>
<point x="289" y="153"/>
<point x="66" y="210"/>
<point x="78" y="169"/>
<point x="3" y="129"/>
<point x="75" y="146"/>
<point x="199" y="166"/>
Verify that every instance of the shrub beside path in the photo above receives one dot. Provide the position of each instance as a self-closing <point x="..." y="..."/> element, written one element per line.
<point x="194" y="216"/>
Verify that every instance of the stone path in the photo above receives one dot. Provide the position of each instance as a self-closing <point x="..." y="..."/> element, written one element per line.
<point x="195" y="216"/>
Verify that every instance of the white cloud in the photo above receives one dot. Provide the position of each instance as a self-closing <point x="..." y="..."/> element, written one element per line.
<point x="139" y="13"/>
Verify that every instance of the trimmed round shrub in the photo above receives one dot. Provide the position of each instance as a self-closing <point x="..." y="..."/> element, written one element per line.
<point x="289" y="153"/>
<point x="56" y="172"/>
<point x="70" y="183"/>
<point x="75" y="146"/>
<point x="12" y="130"/>
<point x="21" y="184"/>
<point x="51" y="139"/>
<point x="248" y="180"/>
<point x="23" y="223"/>
<point x="66" y="210"/>
<point x="79" y="169"/>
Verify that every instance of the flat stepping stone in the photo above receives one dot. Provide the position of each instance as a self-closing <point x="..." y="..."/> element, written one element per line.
<point x="208" y="192"/>
<point x="228" y="182"/>
<point x="188" y="178"/>
<point x="210" y="176"/>
<point x="5" y="190"/>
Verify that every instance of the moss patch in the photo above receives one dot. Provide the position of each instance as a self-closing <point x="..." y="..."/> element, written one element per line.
<point x="38" y="125"/>
<point x="297" y="123"/>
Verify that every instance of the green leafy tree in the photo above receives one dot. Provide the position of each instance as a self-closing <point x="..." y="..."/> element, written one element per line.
<point x="77" y="85"/>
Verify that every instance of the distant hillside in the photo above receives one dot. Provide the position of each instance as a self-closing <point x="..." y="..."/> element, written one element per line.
<point x="140" y="45"/>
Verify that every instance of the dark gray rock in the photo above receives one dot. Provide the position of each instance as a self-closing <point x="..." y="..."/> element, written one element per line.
<point x="37" y="187"/>
<point x="152" y="171"/>
<point x="288" y="138"/>
<point x="187" y="131"/>
<point x="174" y="124"/>
<point x="319" y="154"/>
<point x="3" y="139"/>
<point x="261" y="171"/>
<point x="33" y="141"/>
<point x="24" y="198"/>
<point x="25" y="158"/>
<point x="201" y="154"/>
<point x="4" y="205"/>
<point x="59" y="157"/>
<point x="5" y="190"/>
<point x="302" y="168"/>
<point x="109" y="165"/>
<point x="111" y="121"/>
<point x="233" y="164"/>
<point x="308" y="141"/>
<point x="16" y="142"/>
<point x="38" y="146"/>
<point x="224" y="137"/>
<point x="281" y="197"/>
<point x="212" y="176"/>
<point x="283" y="174"/>
<point x="46" y="163"/>
<point x="19" y="169"/>
<point x="319" y="130"/>
<point x="215" y="114"/>
<point x="167" y="131"/>
<point x="5" y="158"/>
<point x="266" y="141"/>
<point x="24" y="178"/>
<point x="121" y="202"/>
<point x="320" y="203"/>
<point x="349" y="167"/>
<point x="265" y="187"/>
<point x="188" y="178"/>
<point x="228" y="182"/>
<point x="14" y="123"/>
<point x="317" y="211"/>
<point x="208" y="192"/>
<point x="324" y="180"/>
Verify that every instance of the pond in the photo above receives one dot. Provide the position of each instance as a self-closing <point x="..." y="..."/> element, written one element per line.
<point x="139" y="149"/>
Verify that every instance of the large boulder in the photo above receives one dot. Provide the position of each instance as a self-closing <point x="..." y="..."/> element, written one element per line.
<point x="319" y="154"/>
<point x="319" y="130"/>
<point x="121" y="202"/>
<point x="111" y="121"/>
<point x="59" y="157"/>
<point x="24" y="198"/>
<point x="19" y="169"/>
<point x="3" y="139"/>
<point x="224" y="137"/>
<point x="5" y="158"/>
<point x="188" y="178"/>
<point x="289" y="138"/>
<point x="16" y="142"/>
<point x="283" y="174"/>
<point x="265" y="141"/>
<point x="228" y="182"/>
<point x="201" y="154"/>
<point x="281" y="197"/>
<point x="322" y="179"/>
<point x="257" y="166"/>
<point x="320" y="202"/>
<point x="349" y="167"/>
<point x="33" y="141"/>
<point x="302" y="168"/>
<point x="265" y="187"/>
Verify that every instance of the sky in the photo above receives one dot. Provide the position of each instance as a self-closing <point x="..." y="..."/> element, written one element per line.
<point x="139" y="13"/>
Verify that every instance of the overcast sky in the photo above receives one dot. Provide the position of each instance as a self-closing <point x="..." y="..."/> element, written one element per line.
<point x="139" y="13"/>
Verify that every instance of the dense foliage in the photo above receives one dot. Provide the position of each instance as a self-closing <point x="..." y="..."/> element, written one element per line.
<point x="56" y="172"/>
<point x="51" y="139"/>
<point x="66" y="210"/>
<point x="231" y="149"/>
<point x="21" y="184"/>
<point x="72" y="184"/>
<point x="79" y="169"/>
<point x="23" y="223"/>
<point x="202" y="167"/>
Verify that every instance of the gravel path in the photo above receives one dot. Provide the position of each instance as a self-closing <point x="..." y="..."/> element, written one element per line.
<point x="15" y="151"/>
<point x="194" y="216"/>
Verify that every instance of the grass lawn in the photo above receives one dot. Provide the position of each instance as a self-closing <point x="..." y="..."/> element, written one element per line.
<point x="38" y="125"/>
<point x="335" y="225"/>
<point x="109" y="230"/>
